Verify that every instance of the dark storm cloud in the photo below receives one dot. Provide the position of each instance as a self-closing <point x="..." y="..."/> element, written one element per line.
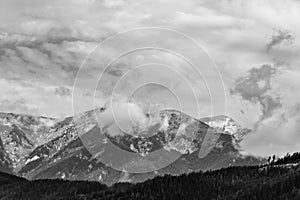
<point x="63" y="91"/>
<point x="254" y="88"/>
<point x="248" y="87"/>
<point x="269" y="104"/>
<point x="280" y="37"/>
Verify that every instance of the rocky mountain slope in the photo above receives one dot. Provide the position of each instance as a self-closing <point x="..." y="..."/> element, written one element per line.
<point x="20" y="135"/>
<point x="38" y="147"/>
<point x="227" y="125"/>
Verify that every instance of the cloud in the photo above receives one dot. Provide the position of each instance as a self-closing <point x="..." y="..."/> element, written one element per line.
<point x="42" y="47"/>
<point x="254" y="88"/>
<point x="63" y="91"/>
<point x="274" y="88"/>
<point x="46" y="58"/>
<point x="280" y="37"/>
<point x="27" y="97"/>
<point x="122" y="116"/>
<point x="277" y="134"/>
<point x="18" y="106"/>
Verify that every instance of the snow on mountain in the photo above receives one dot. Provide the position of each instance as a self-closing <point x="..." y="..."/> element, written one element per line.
<point x="38" y="147"/>
<point x="227" y="125"/>
<point x="20" y="134"/>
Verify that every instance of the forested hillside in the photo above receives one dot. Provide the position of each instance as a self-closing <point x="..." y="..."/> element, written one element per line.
<point x="277" y="180"/>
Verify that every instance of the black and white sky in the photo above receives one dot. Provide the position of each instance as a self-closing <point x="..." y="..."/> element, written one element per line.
<point x="255" y="45"/>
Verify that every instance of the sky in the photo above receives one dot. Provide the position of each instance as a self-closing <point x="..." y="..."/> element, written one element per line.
<point x="47" y="48"/>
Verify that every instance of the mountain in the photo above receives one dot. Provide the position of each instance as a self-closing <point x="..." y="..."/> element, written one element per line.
<point x="227" y="125"/>
<point x="19" y="135"/>
<point x="270" y="181"/>
<point x="49" y="148"/>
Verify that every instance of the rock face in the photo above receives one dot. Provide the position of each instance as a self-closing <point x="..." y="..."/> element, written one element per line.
<point x="227" y="125"/>
<point x="21" y="134"/>
<point x="38" y="147"/>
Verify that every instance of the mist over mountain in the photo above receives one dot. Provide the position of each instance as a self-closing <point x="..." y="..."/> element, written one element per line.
<point x="43" y="148"/>
<point x="160" y="99"/>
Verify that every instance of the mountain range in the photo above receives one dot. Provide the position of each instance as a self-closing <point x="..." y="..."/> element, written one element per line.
<point x="48" y="148"/>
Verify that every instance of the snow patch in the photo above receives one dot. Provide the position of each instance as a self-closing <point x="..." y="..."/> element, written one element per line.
<point x="32" y="159"/>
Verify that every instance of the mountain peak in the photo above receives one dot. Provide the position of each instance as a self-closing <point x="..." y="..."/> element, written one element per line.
<point x="227" y="125"/>
<point x="59" y="152"/>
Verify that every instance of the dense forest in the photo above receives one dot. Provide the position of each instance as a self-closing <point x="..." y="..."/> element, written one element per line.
<point x="280" y="179"/>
